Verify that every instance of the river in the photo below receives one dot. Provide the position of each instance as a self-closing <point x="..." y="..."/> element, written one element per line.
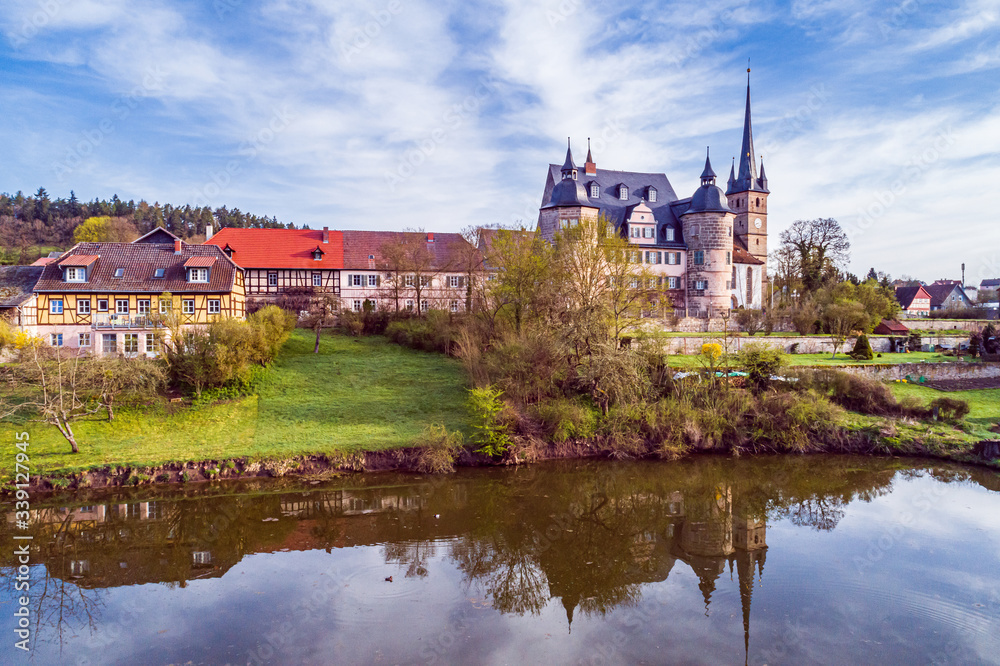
<point x="783" y="560"/>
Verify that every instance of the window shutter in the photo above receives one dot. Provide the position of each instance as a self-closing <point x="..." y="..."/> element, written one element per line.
<point x="378" y="280"/>
<point x="461" y="281"/>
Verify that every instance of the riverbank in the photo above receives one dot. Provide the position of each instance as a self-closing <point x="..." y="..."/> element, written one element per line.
<point x="361" y="405"/>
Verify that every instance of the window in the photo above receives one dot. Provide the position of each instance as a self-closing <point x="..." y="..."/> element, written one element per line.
<point x="187" y="306"/>
<point x="102" y="305"/>
<point x="729" y="258"/>
<point x="121" y="306"/>
<point x="356" y="280"/>
<point x="671" y="283"/>
<point x="272" y="279"/>
<point x="408" y="280"/>
<point x="83" y="307"/>
<point x="622" y="192"/>
<point x="409" y="305"/>
<point x="700" y="285"/>
<point x="636" y="257"/>
<point x="634" y="232"/>
<point x="454" y="306"/>
<point x="200" y="275"/>
<point x="201" y="557"/>
<point x="83" y="340"/>
<point x="653" y="257"/>
<point x="595" y="191"/>
<point x="317" y="280"/>
<point x="56" y="339"/>
<point x="673" y="258"/>
<point x="317" y="255"/>
<point x="425" y="280"/>
<point x="119" y="272"/>
<point x="165" y="305"/>
<point x="76" y="275"/>
<point x="356" y="306"/>
<point x="669" y="233"/>
<point x="648" y="232"/>
<point x="109" y="343"/>
<point x="699" y="257"/>
<point x="56" y="306"/>
<point x="424" y="306"/>
<point x="150" y="343"/>
<point x="652" y="195"/>
<point x="131" y="345"/>
<point x="159" y="273"/>
<point x="214" y="306"/>
<point x="456" y="281"/>
<point x="372" y="280"/>
<point x="142" y="306"/>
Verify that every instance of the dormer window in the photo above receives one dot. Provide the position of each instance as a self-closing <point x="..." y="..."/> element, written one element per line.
<point x="317" y="254"/>
<point x="197" y="275"/>
<point x="623" y="192"/>
<point x="119" y="272"/>
<point x="669" y="233"/>
<point x="595" y="190"/>
<point x="74" y="274"/>
<point x="651" y="195"/>
<point x="159" y="273"/>
<point x="228" y="250"/>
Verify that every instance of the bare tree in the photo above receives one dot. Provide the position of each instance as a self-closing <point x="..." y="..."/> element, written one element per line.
<point x="821" y="247"/>
<point x="322" y="314"/>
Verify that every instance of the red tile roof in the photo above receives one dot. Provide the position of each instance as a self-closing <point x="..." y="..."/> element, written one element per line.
<point x="741" y="256"/>
<point x="140" y="261"/>
<point x="890" y="327"/>
<point x="281" y="248"/>
<point x="199" y="262"/>
<point x="43" y="261"/>
<point x="77" y="260"/>
<point x="363" y="249"/>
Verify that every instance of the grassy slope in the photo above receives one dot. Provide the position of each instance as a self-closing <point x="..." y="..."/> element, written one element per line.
<point x="356" y="394"/>
<point x="984" y="404"/>
<point x="694" y="360"/>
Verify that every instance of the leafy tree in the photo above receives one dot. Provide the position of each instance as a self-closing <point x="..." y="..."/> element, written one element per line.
<point x="105" y="229"/>
<point x="841" y="319"/>
<point x="761" y="362"/>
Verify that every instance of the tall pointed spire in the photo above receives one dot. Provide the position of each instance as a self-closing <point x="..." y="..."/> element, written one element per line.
<point x="708" y="175"/>
<point x="732" y="176"/>
<point x="747" y="177"/>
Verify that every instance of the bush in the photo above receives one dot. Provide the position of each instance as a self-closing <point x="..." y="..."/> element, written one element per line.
<point x="434" y="333"/>
<point x="437" y="450"/>
<point x="761" y="362"/>
<point x="959" y="313"/>
<point x="565" y="419"/>
<point x="853" y="392"/>
<point x="950" y="409"/>
<point x="862" y="349"/>
<point x="491" y="431"/>
<point x="752" y="321"/>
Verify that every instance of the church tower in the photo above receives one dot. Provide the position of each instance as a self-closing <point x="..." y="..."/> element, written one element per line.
<point x="708" y="229"/>
<point x="747" y="194"/>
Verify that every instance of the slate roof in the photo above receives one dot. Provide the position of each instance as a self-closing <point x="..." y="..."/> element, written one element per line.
<point x="449" y="249"/>
<point x="140" y="260"/>
<point x="666" y="209"/>
<point x="905" y="295"/>
<point x="990" y="284"/>
<point x="281" y="248"/>
<point x="942" y="290"/>
<point x="17" y="283"/>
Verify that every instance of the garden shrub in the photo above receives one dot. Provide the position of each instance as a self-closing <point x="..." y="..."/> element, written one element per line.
<point x="492" y="434"/>
<point x="760" y="362"/>
<point x="950" y="409"/>
<point x="862" y="349"/>
<point x="565" y="419"/>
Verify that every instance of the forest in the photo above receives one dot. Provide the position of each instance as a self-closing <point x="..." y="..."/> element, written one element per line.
<point x="33" y="225"/>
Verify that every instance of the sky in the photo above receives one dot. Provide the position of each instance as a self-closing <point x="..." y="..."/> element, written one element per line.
<point x="390" y="114"/>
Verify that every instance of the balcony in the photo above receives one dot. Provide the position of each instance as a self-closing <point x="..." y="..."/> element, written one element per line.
<point x="119" y="321"/>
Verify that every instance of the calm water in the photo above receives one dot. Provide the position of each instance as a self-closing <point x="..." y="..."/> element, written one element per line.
<point x="787" y="560"/>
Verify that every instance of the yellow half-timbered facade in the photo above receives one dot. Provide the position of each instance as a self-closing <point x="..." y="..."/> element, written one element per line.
<point x="107" y="298"/>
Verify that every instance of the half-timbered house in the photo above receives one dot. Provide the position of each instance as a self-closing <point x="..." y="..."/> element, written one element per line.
<point x="105" y="297"/>
<point x="284" y="261"/>
<point x="18" y="303"/>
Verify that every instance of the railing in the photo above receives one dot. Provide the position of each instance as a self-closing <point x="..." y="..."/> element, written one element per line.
<point x="119" y="321"/>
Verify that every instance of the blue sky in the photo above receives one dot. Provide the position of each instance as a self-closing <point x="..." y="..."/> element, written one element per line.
<point x="386" y="114"/>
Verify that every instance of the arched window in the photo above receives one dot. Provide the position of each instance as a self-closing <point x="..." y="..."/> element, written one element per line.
<point x="758" y="202"/>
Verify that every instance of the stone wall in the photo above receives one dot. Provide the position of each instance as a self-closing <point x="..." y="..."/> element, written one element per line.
<point x="691" y="344"/>
<point x="930" y="371"/>
<point x="945" y="324"/>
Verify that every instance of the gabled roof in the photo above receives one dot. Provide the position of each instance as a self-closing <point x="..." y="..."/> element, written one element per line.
<point x="617" y="211"/>
<point x="891" y="327"/>
<point x="140" y="261"/>
<point x="363" y="249"/>
<point x="906" y="295"/>
<point x="43" y="261"/>
<point x="941" y="290"/>
<point x="199" y="262"/>
<point x="17" y="284"/>
<point x="741" y="256"/>
<point x="157" y="235"/>
<point x="990" y="284"/>
<point x="77" y="259"/>
<point x="281" y="248"/>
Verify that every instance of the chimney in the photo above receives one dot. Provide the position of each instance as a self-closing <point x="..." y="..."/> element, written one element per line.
<point x="589" y="167"/>
<point x="208" y="232"/>
<point x="430" y="238"/>
<point x="177" y="246"/>
<point x="326" y="234"/>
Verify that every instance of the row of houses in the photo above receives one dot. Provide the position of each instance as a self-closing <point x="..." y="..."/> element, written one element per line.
<point x="922" y="299"/>
<point x="111" y="297"/>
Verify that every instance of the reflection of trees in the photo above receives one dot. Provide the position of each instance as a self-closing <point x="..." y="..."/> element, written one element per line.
<point x="510" y="576"/>
<point x="821" y="513"/>
<point x="414" y="554"/>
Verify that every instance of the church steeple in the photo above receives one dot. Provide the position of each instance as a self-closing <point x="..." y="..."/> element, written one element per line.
<point x="708" y="175"/>
<point x="732" y="176"/>
<point x="746" y="178"/>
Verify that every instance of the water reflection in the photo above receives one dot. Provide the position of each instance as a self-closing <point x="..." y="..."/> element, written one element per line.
<point x="591" y="537"/>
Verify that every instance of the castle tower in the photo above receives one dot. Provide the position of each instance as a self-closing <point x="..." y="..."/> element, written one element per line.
<point x="568" y="203"/>
<point x="708" y="228"/>
<point x="747" y="194"/>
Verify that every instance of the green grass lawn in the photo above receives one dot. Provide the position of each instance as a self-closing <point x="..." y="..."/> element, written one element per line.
<point x="694" y="360"/>
<point x="356" y="394"/>
<point x="984" y="405"/>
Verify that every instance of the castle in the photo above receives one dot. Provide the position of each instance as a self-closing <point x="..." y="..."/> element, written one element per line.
<point x="710" y="248"/>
